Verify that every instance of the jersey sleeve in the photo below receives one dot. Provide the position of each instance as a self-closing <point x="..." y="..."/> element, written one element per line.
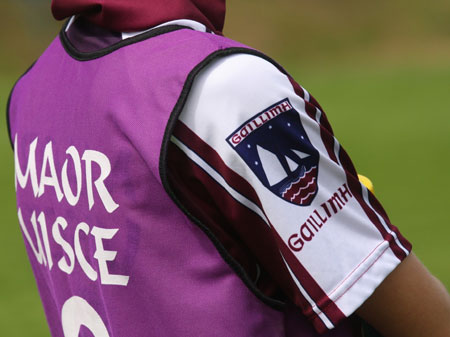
<point x="254" y="156"/>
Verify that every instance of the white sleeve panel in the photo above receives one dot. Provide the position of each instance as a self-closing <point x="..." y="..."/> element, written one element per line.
<point x="244" y="108"/>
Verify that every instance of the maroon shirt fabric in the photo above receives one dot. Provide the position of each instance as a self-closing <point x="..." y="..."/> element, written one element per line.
<point x="135" y="15"/>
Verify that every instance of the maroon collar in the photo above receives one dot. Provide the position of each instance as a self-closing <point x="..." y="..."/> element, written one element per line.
<point x="82" y="36"/>
<point x="135" y="15"/>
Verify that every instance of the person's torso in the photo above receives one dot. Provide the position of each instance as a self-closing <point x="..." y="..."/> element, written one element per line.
<point x="111" y="252"/>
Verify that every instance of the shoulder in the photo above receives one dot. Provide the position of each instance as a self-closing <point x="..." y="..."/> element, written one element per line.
<point x="240" y="72"/>
<point x="234" y="86"/>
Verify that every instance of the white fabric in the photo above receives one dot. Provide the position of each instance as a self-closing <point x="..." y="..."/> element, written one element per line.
<point x="348" y="257"/>
<point x="181" y="22"/>
<point x="71" y="20"/>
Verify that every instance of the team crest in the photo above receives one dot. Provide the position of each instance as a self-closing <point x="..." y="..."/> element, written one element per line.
<point x="275" y="146"/>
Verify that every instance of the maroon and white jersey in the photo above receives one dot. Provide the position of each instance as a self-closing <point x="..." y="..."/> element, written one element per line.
<point x="253" y="157"/>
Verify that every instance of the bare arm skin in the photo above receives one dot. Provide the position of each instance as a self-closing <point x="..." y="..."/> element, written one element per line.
<point x="409" y="303"/>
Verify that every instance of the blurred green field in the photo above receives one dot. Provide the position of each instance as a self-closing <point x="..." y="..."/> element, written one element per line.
<point x="385" y="88"/>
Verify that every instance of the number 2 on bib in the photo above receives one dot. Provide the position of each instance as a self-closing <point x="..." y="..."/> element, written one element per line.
<point x="77" y="312"/>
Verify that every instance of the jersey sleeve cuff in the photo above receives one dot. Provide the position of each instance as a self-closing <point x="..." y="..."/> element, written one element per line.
<point x="355" y="289"/>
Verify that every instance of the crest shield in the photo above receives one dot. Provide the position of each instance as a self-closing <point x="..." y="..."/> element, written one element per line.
<point x="277" y="149"/>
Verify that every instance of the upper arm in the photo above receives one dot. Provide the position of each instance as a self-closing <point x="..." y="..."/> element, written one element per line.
<point x="275" y="176"/>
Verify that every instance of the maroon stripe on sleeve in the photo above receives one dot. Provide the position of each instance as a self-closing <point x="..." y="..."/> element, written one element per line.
<point x="194" y="142"/>
<point x="380" y="210"/>
<point x="326" y="135"/>
<point x="326" y="132"/>
<point x="312" y="103"/>
<point x="310" y="110"/>
<point x="318" y="324"/>
<point x="323" y="119"/>
<point x="299" y="91"/>
<point x="317" y="294"/>
<point x="297" y="88"/>
<point x="315" y="103"/>
<point x="355" y="187"/>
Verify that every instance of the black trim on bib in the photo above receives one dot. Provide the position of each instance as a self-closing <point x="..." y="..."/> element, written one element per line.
<point x="87" y="56"/>
<point x="230" y="260"/>
<point x="8" y="125"/>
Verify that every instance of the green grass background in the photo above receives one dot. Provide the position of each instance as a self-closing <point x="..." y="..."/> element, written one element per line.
<point x="380" y="70"/>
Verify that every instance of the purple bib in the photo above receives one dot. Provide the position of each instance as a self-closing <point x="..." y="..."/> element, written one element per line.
<point x="112" y="254"/>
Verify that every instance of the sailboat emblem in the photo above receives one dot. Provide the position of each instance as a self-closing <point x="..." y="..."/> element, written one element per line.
<point x="275" y="146"/>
